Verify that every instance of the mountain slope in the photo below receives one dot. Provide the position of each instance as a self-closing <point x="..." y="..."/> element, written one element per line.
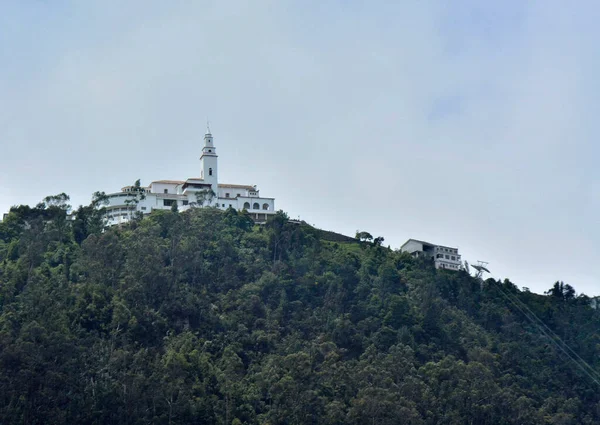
<point x="202" y="317"/>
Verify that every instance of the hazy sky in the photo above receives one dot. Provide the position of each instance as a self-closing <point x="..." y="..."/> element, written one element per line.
<point x="466" y="123"/>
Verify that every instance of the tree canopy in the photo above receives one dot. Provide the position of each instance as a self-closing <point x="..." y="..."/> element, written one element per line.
<point x="204" y="317"/>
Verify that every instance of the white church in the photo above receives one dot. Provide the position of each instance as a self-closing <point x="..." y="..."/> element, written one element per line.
<point x="205" y="191"/>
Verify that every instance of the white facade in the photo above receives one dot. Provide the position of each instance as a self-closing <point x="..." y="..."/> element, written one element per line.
<point x="444" y="257"/>
<point x="193" y="192"/>
<point x="208" y="163"/>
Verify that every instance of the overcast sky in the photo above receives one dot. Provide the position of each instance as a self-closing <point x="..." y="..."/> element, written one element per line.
<point x="466" y="123"/>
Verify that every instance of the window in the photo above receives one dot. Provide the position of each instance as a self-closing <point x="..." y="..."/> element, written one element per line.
<point x="223" y="205"/>
<point x="168" y="202"/>
<point x="447" y="257"/>
<point x="186" y="202"/>
<point x="210" y="150"/>
<point x="143" y="208"/>
<point x="239" y="194"/>
<point x="440" y="256"/>
<point x="227" y="195"/>
<point x="265" y="207"/>
<point x="210" y="171"/>
<point x="230" y="205"/>
<point x="256" y="206"/>
<point x="453" y="258"/>
<point x="247" y="205"/>
<point x="166" y="190"/>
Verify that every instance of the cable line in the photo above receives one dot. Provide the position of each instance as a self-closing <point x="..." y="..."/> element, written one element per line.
<point x="594" y="377"/>
<point x="556" y="336"/>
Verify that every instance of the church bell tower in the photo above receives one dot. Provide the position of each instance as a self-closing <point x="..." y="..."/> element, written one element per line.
<point x="208" y="163"/>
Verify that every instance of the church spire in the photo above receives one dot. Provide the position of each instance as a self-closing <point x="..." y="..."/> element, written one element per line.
<point x="208" y="161"/>
<point x="208" y="142"/>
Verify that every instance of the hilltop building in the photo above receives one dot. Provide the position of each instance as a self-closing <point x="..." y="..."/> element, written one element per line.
<point x="444" y="257"/>
<point x="200" y="191"/>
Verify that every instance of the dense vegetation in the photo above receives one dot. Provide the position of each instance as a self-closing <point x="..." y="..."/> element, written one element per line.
<point x="203" y="317"/>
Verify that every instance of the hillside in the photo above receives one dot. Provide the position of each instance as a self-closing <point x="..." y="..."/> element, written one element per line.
<point x="203" y="317"/>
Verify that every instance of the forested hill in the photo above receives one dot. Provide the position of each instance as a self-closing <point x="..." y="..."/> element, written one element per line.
<point x="203" y="317"/>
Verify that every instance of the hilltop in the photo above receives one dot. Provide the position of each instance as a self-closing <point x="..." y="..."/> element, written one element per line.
<point x="205" y="317"/>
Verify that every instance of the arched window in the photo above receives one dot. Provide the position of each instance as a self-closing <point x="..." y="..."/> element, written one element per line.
<point x="210" y="171"/>
<point x="265" y="206"/>
<point x="246" y="205"/>
<point x="256" y="206"/>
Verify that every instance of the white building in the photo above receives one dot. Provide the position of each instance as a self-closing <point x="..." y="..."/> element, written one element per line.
<point x="444" y="257"/>
<point x="194" y="192"/>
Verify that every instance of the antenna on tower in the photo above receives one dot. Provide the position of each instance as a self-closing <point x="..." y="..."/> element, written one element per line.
<point x="207" y="126"/>
<point x="481" y="267"/>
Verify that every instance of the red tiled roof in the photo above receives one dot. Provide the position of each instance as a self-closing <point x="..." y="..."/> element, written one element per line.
<point x="238" y="186"/>
<point x="167" y="182"/>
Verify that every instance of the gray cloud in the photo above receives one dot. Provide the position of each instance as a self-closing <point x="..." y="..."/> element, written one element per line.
<point x="469" y="125"/>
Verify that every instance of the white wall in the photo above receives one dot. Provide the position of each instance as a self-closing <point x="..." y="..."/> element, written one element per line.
<point x="260" y="201"/>
<point x="119" y="212"/>
<point x="450" y="252"/>
<point x="227" y="202"/>
<point x="447" y="265"/>
<point x="208" y="162"/>
<point x="233" y="192"/>
<point x="238" y="203"/>
<point x="160" y="187"/>
<point x="412" y="246"/>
